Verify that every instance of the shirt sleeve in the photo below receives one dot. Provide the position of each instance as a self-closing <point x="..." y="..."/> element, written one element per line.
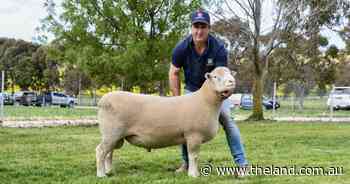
<point x="178" y="57"/>
<point x="221" y="57"/>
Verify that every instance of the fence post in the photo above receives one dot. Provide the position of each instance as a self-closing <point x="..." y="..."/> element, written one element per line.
<point x="331" y="106"/>
<point x="274" y="100"/>
<point x="2" y="94"/>
<point x="293" y="113"/>
<point x="79" y="88"/>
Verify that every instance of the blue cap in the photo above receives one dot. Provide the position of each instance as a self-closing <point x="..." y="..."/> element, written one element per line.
<point x="200" y="16"/>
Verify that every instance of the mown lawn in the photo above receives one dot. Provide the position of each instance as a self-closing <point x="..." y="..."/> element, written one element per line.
<point x="67" y="155"/>
<point x="53" y="112"/>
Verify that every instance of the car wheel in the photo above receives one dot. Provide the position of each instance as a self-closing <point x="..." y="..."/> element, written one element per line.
<point x="71" y="104"/>
<point x="264" y="108"/>
<point x="277" y="106"/>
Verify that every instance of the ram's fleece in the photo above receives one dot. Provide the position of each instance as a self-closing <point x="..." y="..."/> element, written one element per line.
<point x="156" y="122"/>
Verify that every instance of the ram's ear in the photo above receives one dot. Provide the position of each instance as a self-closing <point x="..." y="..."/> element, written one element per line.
<point x="207" y="75"/>
<point x="233" y="73"/>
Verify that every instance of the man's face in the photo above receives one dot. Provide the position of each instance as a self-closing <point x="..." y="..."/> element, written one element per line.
<point x="200" y="32"/>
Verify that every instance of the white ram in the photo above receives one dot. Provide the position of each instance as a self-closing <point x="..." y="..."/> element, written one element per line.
<point x="156" y="122"/>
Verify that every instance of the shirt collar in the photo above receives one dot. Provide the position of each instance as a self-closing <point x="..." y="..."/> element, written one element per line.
<point x="208" y="44"/>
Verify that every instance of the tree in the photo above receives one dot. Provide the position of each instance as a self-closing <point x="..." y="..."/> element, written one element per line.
<point x="260" y="39"/>
<point x="46" y="76"/>
<point x="5" y="45"/>
<point x="75" y="80"/>
<point x="257" y="43"/>
<point x="345" y="34"/>
<point x="291" y="65"/>
<point x="342" y="72"/>
<point x="124" y="43"/>
<point x="28" y="65"/>
<point x="16" y="61"/>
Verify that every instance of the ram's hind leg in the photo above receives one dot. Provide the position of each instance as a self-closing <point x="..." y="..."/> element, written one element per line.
<point x="109" y="157"/>
<point x="101" y="152"/>
<point x="111" y="138"/>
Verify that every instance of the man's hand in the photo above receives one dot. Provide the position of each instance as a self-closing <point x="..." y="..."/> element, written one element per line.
<point x="174" y="80"/>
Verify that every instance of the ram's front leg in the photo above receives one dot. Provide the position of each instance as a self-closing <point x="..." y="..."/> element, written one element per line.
<point x="193" y="146"/>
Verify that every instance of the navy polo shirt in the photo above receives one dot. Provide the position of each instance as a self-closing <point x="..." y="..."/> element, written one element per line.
<point x="195" y="65"/>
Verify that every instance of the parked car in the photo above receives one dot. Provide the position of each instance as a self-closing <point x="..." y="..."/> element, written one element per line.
<point x="17" y="97"/>
<point x="247" y="102"/>
<point x="339" y="98"/>
<point x="235" y="99"/>
<point x="26" y="98"/>
<point x="268" y="104"/>
<point x="56" y="98"/>
<point x="8" y="98"/>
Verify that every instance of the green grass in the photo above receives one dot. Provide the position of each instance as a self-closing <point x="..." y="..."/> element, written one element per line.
<point x="67" y="155"/>
<point x="54" y="112"/>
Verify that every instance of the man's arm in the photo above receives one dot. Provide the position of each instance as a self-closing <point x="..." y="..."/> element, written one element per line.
<point x="174" y="80"/>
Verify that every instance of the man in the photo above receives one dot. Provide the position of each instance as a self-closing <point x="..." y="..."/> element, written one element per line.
<point x="197" y="54"/>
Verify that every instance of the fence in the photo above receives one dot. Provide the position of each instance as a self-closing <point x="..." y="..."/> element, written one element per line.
<point x="313" y="108"/>
<point x="84" y="100"/>
<point x="290" y="107"/>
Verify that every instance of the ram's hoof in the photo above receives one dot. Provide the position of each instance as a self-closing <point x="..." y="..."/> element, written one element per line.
<point x="100" y="175"/>
<point x="193" y="174"/>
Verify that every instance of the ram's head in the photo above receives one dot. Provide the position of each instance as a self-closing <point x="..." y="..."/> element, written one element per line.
<point x="223" y="81"/>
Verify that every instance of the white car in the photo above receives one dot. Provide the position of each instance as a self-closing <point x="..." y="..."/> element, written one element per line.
<point x="235" y="99"/>
<point x="56" y="98"/>
<point x="339" y="98"/>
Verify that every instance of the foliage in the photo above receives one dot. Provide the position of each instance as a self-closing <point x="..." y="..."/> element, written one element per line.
<point x="124" y="43"/>
<point x="75" y="81"/>
<point x="47" y="69"/>
<point x="27" y="65"/>
<point x="252" y="38"/>
<point x="342" y="71"/>
<point x="293" y="65"/>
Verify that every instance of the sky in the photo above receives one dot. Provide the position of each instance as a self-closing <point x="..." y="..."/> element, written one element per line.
<point x="20" y="18"/>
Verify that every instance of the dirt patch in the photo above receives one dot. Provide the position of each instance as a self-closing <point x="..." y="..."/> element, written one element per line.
<point x="38" y="123"/>
<point x="47" y="123"/>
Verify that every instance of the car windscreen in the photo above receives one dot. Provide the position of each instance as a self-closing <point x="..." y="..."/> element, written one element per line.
<point x="341" y="91"/>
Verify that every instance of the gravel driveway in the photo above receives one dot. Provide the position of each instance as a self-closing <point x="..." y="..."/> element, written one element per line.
<point x="92" y="121"/>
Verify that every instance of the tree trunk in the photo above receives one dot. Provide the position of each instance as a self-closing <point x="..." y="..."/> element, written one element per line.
<point x="12" y="87"/>
<point x="95" y="99"/>
<point x="162" y="91"/>
<point x="12" y="84"/>
<point x="257" y="98"/>
<point x="143" y="89"/>
<point x="301" y="96"/>
<point x="258" y="84"/>
<point x="125" y="86"/>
